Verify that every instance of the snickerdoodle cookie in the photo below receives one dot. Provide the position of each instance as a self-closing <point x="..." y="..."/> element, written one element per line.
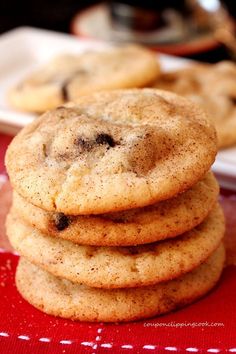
<point x="213" y="87"/>
<point x="67" y="77"/>
<point x="62" y="298"/>
<point x="118" y="267"/>
<point x="112" y="151"/>
<point x="159" y="221"/>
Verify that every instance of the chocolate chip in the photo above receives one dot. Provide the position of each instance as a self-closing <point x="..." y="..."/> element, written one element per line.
<point x="233" y="100"/>
<point x="64" y="92"/>
<point x="61" y="221"/>
<point x="85" y="145"/>
<point x="45" y="150"/>
<point x="103" y="139"/>
<point x="89" y="144"/>
<point x="64" y="86"/>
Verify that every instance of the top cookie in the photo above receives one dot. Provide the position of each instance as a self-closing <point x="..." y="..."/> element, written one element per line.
<point x="214" y="88"/>
<point x="112" y="151"/>
<point x="69" y="76"/>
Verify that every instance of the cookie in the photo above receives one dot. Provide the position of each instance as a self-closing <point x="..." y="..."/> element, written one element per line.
<point x="213" y="87"/>
<point x="82" y="303"/>
<point x="118" y="267"/>
<point x="67" y="77"/>
<point x="112" y="151"/>
<point x="137" y="226"/>
<point x="184" y="80"/>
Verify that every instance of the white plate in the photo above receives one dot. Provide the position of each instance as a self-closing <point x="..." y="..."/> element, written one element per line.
<point x="24" y="49"/>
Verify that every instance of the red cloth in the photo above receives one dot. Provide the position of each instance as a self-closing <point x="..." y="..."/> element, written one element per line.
<point x="24" y="330"/>
<point x="4" y="141"/>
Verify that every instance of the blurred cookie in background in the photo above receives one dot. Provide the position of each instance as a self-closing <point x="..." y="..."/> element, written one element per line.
<point x="68" y="76"/>
<point x="214" y="88"/>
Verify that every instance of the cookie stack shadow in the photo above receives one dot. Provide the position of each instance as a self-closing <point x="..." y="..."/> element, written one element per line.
<point x="125" y="263"/>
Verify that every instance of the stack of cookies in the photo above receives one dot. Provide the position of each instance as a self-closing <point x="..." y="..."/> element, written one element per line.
<point x="115" y="212"/>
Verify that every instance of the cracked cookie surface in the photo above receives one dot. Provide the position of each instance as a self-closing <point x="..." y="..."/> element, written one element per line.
<point x="112" y="151"/>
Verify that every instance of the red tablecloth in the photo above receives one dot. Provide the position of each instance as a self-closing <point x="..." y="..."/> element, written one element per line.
<point x="207" y="326"/>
